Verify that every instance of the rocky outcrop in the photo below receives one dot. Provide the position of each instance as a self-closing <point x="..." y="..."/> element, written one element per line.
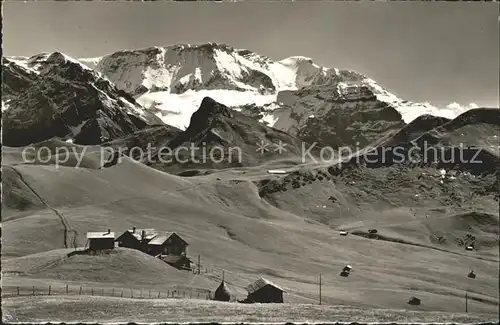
<point x="52" y="95"/>
<point x="338" y="115"/>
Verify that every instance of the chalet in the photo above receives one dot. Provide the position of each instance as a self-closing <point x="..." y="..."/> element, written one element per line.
<point x="264" y="291"/>
<point x="167" y="243"/>
<point x="101" y="240"/>
<point x="136" y="238"/>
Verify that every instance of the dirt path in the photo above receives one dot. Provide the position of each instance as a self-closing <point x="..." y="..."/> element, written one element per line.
<point x="69" y="240"/>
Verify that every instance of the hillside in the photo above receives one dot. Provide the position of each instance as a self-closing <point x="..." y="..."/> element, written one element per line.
<point x="197" y="311"/>
<point x="279" y="236"/>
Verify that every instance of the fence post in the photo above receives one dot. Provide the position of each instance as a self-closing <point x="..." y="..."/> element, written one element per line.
<point x="67" y="289"/>
<point x="49" y="289"/>
<point x="131" y="293"/>
<point x="466" y="309"/>
<point x="92" y="291"/>
<point x="33" y="290"/>
<point x="18" y="291"/>
<point x="80" y="292"/>
<point x="159" y="295"/>
<point x="113" y="292"/>
<point x="122" y="294"/>
<point x="199" y="264"/>
<point x="168" y="293"/>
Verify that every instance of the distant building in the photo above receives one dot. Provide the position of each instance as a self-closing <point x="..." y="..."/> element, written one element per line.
<point x="168" y="243"/>
<point x="101" y="240"/>
<point x="157" y="243"/>
<point x="136" y="238"/>
<point x="264" y="291"/>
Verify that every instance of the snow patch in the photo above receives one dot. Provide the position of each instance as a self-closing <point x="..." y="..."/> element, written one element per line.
<point x="176" y="109"/>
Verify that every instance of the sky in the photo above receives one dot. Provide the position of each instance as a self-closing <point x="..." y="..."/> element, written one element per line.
<point x="444" y="53"/>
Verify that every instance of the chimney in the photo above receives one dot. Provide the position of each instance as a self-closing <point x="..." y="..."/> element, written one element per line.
<point x="109" y="231"/>
<point x="133" y="230"/>
<point x="143" y="235"/>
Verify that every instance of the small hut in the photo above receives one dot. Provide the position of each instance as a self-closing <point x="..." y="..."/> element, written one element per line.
<point x="101" y="240"/>
<point x="264" y="291"/>
<point x="414" y="301"/>
<point x="222" y="293"/>
<point x="344" y="274"/>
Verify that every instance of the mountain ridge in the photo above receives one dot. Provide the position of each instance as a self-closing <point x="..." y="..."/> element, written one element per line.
<point x="51" y="94"/>
<point x="156" y="74"/>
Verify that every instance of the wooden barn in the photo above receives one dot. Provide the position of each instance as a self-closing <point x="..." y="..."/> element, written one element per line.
<point x="101" y="240"/>
<point x="264" y="291"/>
<point x="168" y="243"/>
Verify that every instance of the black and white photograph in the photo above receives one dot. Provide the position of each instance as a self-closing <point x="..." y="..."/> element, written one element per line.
<point x="270" y="162"/>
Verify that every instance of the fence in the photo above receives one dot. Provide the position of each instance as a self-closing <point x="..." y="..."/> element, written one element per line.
<point x="184" y="293"/>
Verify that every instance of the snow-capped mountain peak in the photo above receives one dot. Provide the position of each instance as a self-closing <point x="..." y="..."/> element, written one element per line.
<point x="172" y="80"/>
<point x="178" y="68"/>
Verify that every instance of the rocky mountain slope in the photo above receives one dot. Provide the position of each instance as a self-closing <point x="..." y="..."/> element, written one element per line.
<point x="338" y="115"/>
<point x="223" y="138"/>
<point x="289" y="236"/>
<point x="173" y="80"/>
<point x="51" y="94"/>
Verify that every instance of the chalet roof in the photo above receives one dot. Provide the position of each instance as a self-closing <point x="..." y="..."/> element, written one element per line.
<point x="100" y="234"/>
<point x="150" y="233"/>
<point x="152" y="236"/>
<point x="160" y="238"/>
<point x="261" y="283"/>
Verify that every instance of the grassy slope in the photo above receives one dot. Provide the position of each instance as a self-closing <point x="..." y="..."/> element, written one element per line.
<point x="88" y="309"/>
<point x="231" y="227"/>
